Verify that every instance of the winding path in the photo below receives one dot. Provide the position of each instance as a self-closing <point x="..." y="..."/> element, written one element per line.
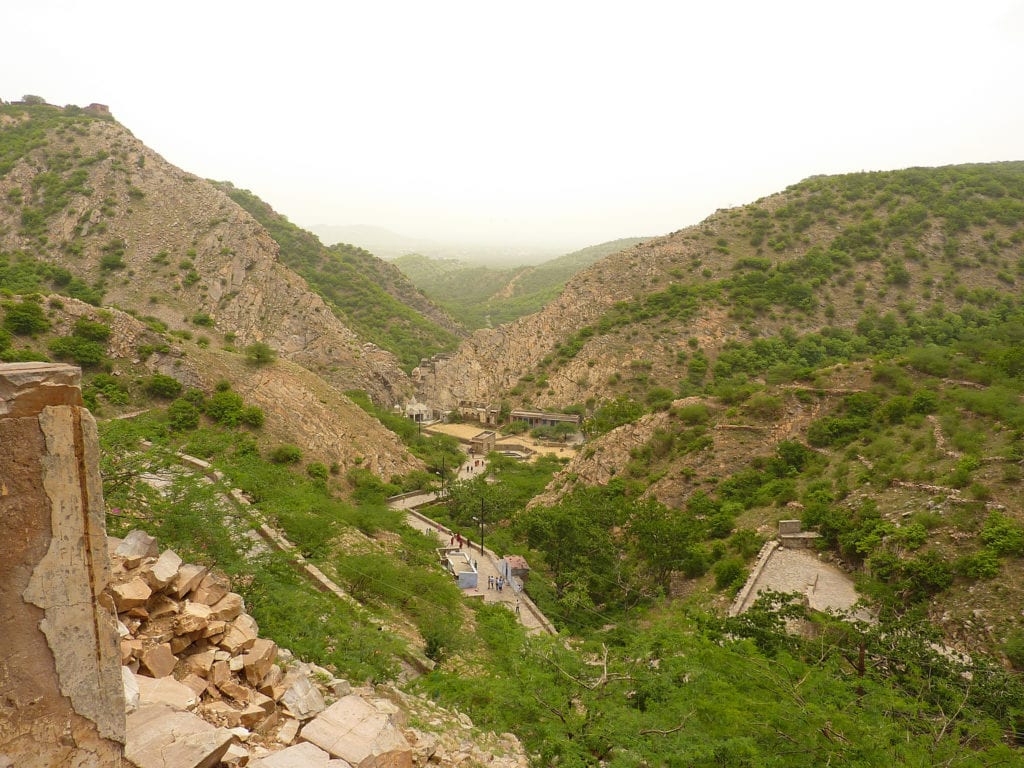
<point x="487" y="561"/>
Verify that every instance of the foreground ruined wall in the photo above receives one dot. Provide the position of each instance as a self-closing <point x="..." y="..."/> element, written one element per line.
<point x="61" y="696"/>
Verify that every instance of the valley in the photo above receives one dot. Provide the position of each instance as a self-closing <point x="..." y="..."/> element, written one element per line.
<point x="846" y="352"/>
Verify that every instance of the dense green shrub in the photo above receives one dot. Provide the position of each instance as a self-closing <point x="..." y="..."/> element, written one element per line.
<point x="81" y="351"/>
<point x="286" y="454"/>
<point x="317" y="470"/>
<point x="225" y="407"/>
<point x="160" y="385"/>
<point x="183" y="415"/>
<point x="25" y="318"/>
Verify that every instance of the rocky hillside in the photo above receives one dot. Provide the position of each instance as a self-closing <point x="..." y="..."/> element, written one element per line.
<point x="85" y="196"/>
<point x="847" y="352"/>
<point x="372" y="296"/>
<point x="826" y="253"/>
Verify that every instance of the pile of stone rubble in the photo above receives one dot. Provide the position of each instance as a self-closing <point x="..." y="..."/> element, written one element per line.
<point x="203" y="690"/>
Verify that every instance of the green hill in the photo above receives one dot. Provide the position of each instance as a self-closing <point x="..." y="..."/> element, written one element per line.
<point x="369" y="295"/>
<point x="486" y="296"/>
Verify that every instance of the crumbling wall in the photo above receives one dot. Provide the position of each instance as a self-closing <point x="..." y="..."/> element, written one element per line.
<point x="61" y="694"/>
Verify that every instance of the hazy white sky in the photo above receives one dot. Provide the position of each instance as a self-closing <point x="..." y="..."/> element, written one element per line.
<point x="559" y="123"/>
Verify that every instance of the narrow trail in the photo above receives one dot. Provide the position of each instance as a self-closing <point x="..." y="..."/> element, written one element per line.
<point x="487" y="561"/>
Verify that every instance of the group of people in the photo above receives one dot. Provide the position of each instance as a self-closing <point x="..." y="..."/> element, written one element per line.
<point x="496" y="582"/>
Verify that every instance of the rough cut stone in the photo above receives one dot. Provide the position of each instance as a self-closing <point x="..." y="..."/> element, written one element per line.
<point x="135" y="547"/>
<point x="272" y="684"/>
<point x="221" y="712"/>
<point x="196" y="683"/>
<point x="354" y="730"/>
<point x="161" y="606"/>
<point x="258" y="661"/>
<point x="211" y="589"/>
<point x="200" y="663"/>
<point x="220" y="672"/>
<point x="131" y="594"/>
<point x="194" y="617"/>
<point x="166" y="691"/>
<point x="288" y="731"/>
<point x="163" y="571"/>
<point x="241" y="634"/>
<point x="234" y="690"/>
<point x="61" y="686"/>
<point x="159" y="737"/>
<point x="301" y="698"/>
<point x="158" y="660"/>
<point x="303" y="755"/>
<point x="131" y="690"/>
<point x="236" y="757"/>
<point x="188" y="578"/>
<point x="252" y="715"/>
<point x="228" y="607"/>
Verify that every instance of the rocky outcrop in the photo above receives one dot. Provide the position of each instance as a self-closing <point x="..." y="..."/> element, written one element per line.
<point x="61" y="694"/>
<point x="185" y="249"/>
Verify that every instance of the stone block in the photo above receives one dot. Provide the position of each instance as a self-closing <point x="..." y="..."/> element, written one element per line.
<point x="234" y="690"/>
<point x="200" y="663"/>
<point x="354" y="730"/>
<point x="220" y="672"/>
<point x="181" y="643"/>
<point x="135" y="547"/>
<point x="188" y="578"/>
<point x="158" y="660"/>
<point x="166" y="691"/>
<point x="194" y="617"/>
<point x="161" y="606"/>
<point x="195" y="682"/>
<point x="301" y="698"/>
<point x="222" y="713"/>
<point x="288" y="731"/>
<point x="215" y="629"/>
<point x="304" y="755"/>
<point x="130" y="649"/>
<point x="258" y="661"/>
<point x="228" y="607"/>
<point x="211" y="589"/>
<point x="159" y="737"/>
<point x="131" y="594"/>
<point x="237" y="756"/>
<point x="241" y="634"/>
<point x="163" y="571"/>
<point x="273" y="684"/>
<point x="252" y="715"/>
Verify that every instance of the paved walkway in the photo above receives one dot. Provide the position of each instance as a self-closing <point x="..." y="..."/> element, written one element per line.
<point x="487" y="561"/>
<point x="801" y="571"/>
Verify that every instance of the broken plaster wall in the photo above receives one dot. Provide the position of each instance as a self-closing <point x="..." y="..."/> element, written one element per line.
<point x="61" y="697"/>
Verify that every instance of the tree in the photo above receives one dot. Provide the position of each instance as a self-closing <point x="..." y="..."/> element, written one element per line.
<point x="31" y="98"/>
<point x="260" y="353"/>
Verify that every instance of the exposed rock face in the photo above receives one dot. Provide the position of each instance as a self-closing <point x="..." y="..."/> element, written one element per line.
<point x="61" y="691"/>
<point x="189" y="249"/>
